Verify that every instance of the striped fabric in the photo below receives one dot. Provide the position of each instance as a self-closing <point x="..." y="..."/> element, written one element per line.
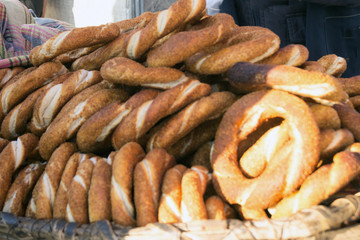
<point x="20" y="32"/>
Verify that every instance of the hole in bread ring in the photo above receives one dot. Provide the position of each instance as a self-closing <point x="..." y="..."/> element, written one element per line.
<point x="286" y="170"/>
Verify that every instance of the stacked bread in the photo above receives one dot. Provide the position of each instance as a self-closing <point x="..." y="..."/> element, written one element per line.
<point x="175" y="116"/>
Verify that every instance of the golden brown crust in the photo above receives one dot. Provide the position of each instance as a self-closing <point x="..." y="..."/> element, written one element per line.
<point x="247" y="77"/>
<point x="144" y="117"/>
<point x="95" y="134"/>
<point x="333" y="64"/>
<point x="206" y="108"/>
<point x="13" y="93"/>
<point x="238" y="122"/>
<point x="183" y="45"/>
<point x="20" y="189"/>
<point x="333" y="141"/>
<point x="99" y="191"/>
<point x="67" y="41"/>
<point x="291" y="54"/>
<point x="71" y="56"/>
<point x="124" y="162"/>
<point x="65" y="127"/>
<point x="351" y="85"/>
<point x="217" y="209"/>
<point x="45" y="189"/>
<point x="325" y="116"/>
<point x="11" y="157"/>
<point x="313" y="66"/>
<point x="6" y="74"/>
<point x="249" y="43"/>
<point x="148" y="175"/>
<point x="350" y="119"/>
<point x="135" y="23"/>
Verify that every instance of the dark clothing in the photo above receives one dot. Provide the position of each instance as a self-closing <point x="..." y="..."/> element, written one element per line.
<point x="323" y="26"/>
<point x="34" y="5"/>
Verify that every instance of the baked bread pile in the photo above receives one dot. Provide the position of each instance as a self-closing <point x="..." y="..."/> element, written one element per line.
<point x="175" y="116"/>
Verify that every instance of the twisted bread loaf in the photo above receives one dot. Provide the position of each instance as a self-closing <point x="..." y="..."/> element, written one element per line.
<point x="183" y="45"/>
<point x="244" y="44"/>
<point x="11" y="157"/>
<point x="142" y="118"/>
<point x="51" y="101"/>
<point x="124" y="162"/>
<point x="16" y="91"/>
<point x="67" y="41"/>
<point x="148" y="176"/>
<point x="241" y="119"/>
<point x="95" y="134"/>
<point x="209" y="107"/>
<point x="20" y="189"/>
<point x="45" y="189"/>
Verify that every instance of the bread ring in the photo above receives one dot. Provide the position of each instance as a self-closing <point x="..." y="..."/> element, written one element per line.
<point x="11" y="157"/>
<point x="122" y="70"/>
<point x="136" y="22"/>
<point x="71" y="56"/>
<point x="250" y="43"/>
<point x="65" y="127"/>
<point x="170" y="202"/>
<point x="245" y="115"/>
<point x="351" y="85"/>
<point x="77" y="206"/>
<point x="182" y="123"/>
<point x="355" y="101"/>
<point x="349" y="119"/>
<point x="163" y="23"/>
<point x="67" y="41"/>
<point x="99" y="191"/>
<point x="15" y="92"/>
<point x="292" y="55"/>
<point x="333" y="141"/>
<point x="148" y="175"/>
<point x="6" y="74"/>
<point x="124" y="162"/>
<point x="313" y="66"/>
<point x="321" y="184"/>
<point x="183" y="45"/>
<point x="3" y="143"/>
<point x="202" y="156"/>
<point x="24" y="182"/>
<point x="144" y="117"/>
<point x="15" y="122"/>
<point x="95" y="134"/>
<point x="203" y="133"/>
<point x="325" y="116"/>
<point x="61" y="197"/>
<point x="333" y="64"/>
<point x="193" y="186"/>
<point x="55" y="97"/>
<point x="246" y="77"/>
<point x="45" y="189"/>
<point x="217" y="209"/>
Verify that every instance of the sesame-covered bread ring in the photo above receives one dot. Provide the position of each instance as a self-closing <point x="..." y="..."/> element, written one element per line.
<point x="67" y="41"/>
<point x="292" y="55"/>
<point x="122" y="182"/>
<point x="45" y="189"/>
<point x="218" y="209"/>
<point x="183" y="122"/>
<point x="95" y="134"/>
<point x="247" y="77"/>
<point x="6" y="74"/>
<point x="65" y="127"/>
<point x="183" y="45"/>
<point x="55" y="97"/>
<point x="163" y="23"/>
<point x="148" y="176"/>
<point x="333" y="141"/>
<point x="144" y="117"/>
<point x="122" y="70"/>
<point x="250" y="43"/>
<point x="11" y="157"/>
<point x="350" y="119"/>
<point x="351" y="85"/>
<point x="291" y="166"/>
<point x="333" y="64"/>
<point x="313" y="66"/>
<point x="325" y="116"/>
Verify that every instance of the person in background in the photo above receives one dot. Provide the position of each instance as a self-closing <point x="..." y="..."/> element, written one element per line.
<point x="38" y="7"/>
<point x="323" y="26"/>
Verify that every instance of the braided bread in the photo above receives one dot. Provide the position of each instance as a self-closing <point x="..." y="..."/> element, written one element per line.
<point x="21" y="187"/>
<point x="124" y="162"/>
<point x="51" y="101"/>
<point x="95" y="134"/>
<point x="142" y="118"/>
<point x="148" y="175"/>
<point x="241" y="119"/>
<point x="11" y="157"/>
<point x="183" y="45"/>
<point x="244" y="44"/>
<point x="67" y="41"/>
